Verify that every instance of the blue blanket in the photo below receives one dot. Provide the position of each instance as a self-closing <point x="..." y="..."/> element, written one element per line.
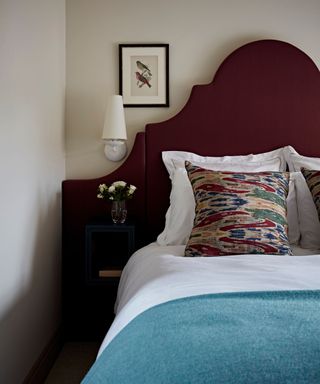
<point x="242" y="338"/>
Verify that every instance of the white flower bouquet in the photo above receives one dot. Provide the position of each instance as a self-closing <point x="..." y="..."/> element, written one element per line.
<point x="117" y="191"/>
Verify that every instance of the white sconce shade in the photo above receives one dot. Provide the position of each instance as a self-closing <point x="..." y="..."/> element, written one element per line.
<point x="114" y="123"/>
<point x="114" y="130"/>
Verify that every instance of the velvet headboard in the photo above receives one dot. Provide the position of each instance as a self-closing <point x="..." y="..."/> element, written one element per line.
<point x="264" y="95"/>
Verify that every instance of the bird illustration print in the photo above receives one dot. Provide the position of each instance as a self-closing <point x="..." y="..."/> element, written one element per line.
<point x="144" y="75"/>
<point x="144" y="68"/>
<point x="142" y="80"/>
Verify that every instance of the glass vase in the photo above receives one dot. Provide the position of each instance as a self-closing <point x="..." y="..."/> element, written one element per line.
<point x="119" y="211"/>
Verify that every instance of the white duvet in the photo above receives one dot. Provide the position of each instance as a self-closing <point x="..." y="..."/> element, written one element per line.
<point x="156" y="274"/>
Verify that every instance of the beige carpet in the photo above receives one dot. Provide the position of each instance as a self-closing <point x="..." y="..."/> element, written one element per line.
<point x="72" y="363"/>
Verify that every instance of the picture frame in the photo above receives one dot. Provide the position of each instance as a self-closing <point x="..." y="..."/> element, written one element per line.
<point x="144" y="75"/>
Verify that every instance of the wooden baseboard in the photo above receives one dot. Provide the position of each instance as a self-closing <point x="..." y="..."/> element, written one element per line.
<point x="46" y="359"/>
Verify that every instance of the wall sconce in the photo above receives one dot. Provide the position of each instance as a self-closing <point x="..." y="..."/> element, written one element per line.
<point x="114" y="130"/>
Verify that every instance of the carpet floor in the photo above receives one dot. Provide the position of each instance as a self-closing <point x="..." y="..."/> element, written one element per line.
<point x="73" y="363"/>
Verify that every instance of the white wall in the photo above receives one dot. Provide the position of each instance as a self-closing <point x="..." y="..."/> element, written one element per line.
<point x="32" y="165"/>
<point x="200" y="33"/>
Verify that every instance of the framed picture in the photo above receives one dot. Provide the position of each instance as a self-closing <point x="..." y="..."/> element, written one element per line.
<point x="144" y="75"/>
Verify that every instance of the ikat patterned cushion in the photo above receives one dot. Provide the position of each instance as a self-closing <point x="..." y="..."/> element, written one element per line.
<point x="313" y="181"/>
<point x="238" y="213"/>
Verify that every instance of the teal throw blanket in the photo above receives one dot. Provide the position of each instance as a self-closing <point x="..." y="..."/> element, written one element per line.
<point x="240" y="338"/>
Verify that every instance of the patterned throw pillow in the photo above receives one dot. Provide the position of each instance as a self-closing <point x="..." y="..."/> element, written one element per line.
<point x="313" y="181"/>
<point x="238" y="213"/>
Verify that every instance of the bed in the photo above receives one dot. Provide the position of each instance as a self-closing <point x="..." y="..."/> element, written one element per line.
<point x="249" y="317"/>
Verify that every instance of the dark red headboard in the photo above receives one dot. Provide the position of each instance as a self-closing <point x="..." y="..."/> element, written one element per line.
<point x="264" y="95"/>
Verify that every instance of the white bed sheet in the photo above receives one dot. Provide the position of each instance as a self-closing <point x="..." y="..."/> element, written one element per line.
<point x="156" y="274"/>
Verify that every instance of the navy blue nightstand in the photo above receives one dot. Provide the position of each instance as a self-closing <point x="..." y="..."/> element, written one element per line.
<point x="108" y="248"/>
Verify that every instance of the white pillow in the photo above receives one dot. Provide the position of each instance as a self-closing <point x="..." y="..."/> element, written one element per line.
<point x="296" y="161"/>
<point x="180" y="214"/>
<point x="176" y="159"/>
<point x="181" y="211"/>
<point x="292" y="210"/>
<point x="307" y="212"/>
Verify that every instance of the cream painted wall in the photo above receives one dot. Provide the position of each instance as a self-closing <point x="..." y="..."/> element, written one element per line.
<point x="32" y="165"/>
<point x="200" y="33"/>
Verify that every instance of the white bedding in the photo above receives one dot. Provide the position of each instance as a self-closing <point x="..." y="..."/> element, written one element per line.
<point x="156" y="274"/>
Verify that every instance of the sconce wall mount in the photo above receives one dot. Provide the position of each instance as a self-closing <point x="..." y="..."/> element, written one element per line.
<point x="115" y="150"/>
